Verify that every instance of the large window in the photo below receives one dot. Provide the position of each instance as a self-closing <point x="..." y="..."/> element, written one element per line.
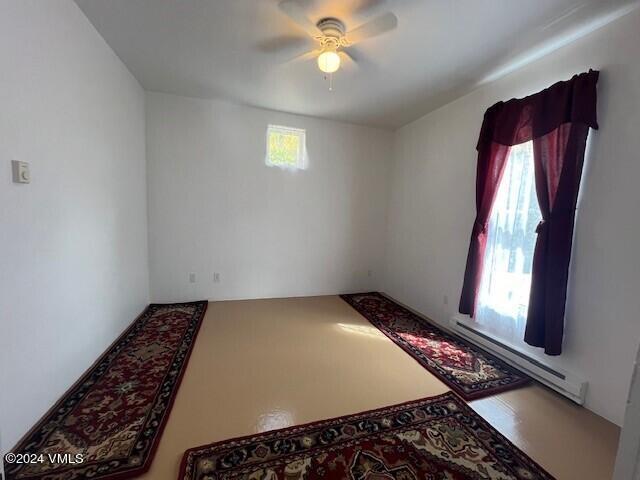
<point x="506" y="279"/>
<point x="286" y="147"/>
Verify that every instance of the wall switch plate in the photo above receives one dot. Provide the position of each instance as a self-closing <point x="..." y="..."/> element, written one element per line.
<point x="21" y="173"/>
<point x="192" y="278"/>
<point x="216" y="277"/>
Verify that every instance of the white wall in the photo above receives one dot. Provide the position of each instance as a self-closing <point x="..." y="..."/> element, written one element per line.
<point x="73" y="254"/>
<point x="215" y="206"/>
<point x="432" y="209"/>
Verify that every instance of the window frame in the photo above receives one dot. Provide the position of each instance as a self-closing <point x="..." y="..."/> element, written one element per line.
<point x="301" y="156"/>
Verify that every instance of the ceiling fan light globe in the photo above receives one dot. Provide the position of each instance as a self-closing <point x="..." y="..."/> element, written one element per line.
<point x="329" y="62"/>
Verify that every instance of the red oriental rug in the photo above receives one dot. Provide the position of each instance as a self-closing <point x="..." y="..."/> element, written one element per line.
<point x="469" y="371"/>
<point x="438" y="438"/>
<point x="109" y="423"/>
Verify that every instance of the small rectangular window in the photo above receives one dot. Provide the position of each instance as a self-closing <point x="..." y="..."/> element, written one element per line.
<point x="286" y="147"/>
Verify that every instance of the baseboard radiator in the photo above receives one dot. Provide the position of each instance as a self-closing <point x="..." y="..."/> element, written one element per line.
<point x="565" y="383"/>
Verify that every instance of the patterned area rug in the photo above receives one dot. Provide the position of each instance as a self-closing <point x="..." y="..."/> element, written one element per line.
<point x="112" y="418"/>
<point x="469" y="371"/>
<point x="438" y="438"/>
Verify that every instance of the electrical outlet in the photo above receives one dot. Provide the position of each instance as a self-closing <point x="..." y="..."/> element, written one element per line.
<point x="192" y="277"/>
<point x="216" y="277"/>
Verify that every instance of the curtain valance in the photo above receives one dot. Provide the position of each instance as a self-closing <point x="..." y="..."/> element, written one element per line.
<point x="522" y="119"/>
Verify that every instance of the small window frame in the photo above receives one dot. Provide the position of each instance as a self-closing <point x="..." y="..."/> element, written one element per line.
<point x="301" y="155"/>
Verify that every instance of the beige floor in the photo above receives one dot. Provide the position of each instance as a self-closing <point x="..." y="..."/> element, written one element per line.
<point x="264" y="364"/>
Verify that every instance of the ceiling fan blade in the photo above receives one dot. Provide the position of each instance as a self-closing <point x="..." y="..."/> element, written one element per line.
<point x="306" y="56"/>
<point x="347" y="59"/>
<point x="369" y="7"/>
<point x="375" y="27"/>
<point x="358" y="59"/>
<point x="295" y="12"/>
<point x="284" y="43"/>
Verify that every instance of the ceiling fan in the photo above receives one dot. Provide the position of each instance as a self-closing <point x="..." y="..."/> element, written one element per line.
<point x="331" y="34"/>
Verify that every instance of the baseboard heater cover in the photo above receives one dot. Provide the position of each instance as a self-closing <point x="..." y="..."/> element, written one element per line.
<point x="565" y="383"/>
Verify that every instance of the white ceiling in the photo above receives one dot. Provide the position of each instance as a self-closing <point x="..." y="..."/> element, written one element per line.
<point x="440" y="50"/>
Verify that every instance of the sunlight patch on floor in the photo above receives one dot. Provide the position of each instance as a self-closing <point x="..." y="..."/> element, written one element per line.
<point x="274" y="420"/>
<point x="372" y="332"/>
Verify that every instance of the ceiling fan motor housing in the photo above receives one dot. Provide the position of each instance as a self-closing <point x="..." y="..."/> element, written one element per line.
<point x="331" y="27"/>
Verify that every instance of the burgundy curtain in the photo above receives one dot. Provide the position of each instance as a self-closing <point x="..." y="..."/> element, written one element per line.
<point x="557" y="119"/>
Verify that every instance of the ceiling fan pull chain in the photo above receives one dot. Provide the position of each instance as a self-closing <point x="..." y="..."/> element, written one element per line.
<point x="328" y="77"/>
